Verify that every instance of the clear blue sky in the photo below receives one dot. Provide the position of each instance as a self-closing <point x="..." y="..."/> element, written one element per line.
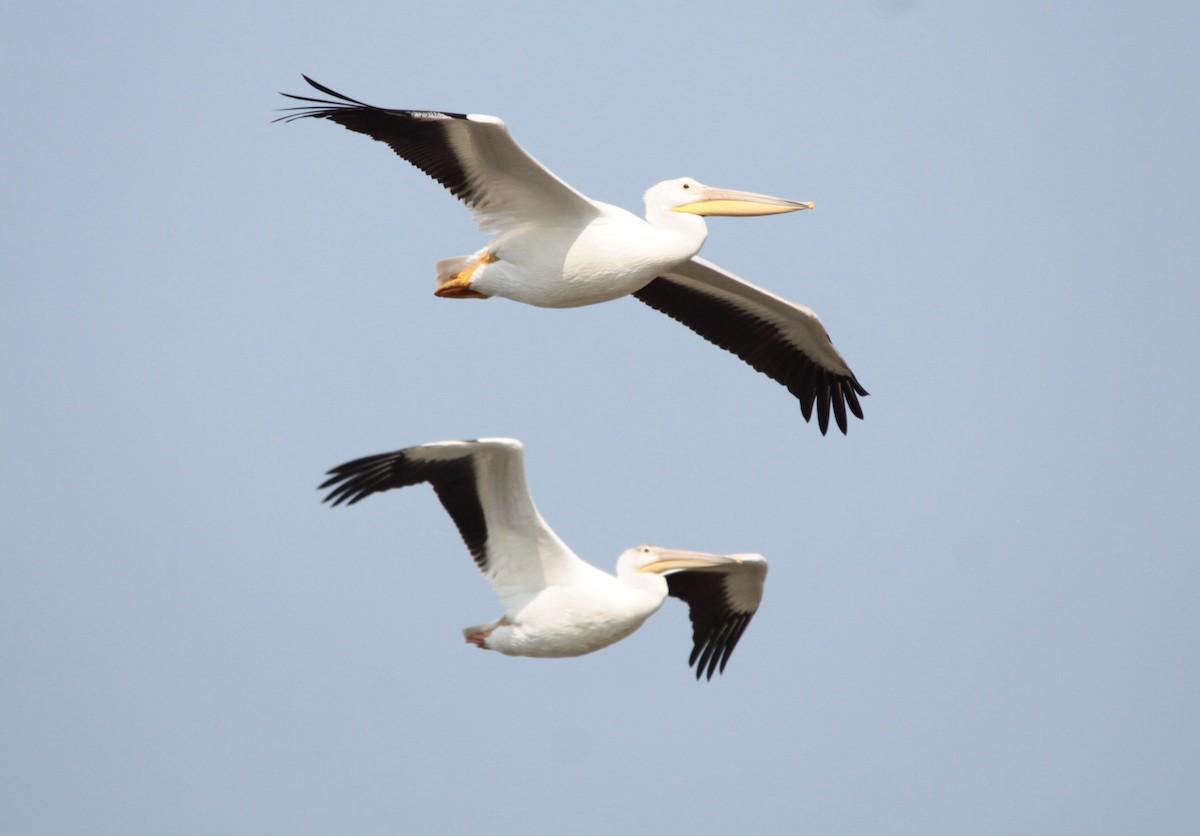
<point x="981" y="615"/>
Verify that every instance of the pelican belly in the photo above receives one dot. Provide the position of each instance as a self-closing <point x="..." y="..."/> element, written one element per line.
<point x="613" y="255"/>
<point x="570" y="621"/>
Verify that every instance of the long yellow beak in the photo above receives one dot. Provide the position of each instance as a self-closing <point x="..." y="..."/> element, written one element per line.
<point x="670" y="559"/>
<point x="731" y="202"/>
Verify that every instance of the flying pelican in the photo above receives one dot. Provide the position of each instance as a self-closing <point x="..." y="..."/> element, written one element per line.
<point x="555" y="604"/>
<point x="555" y="248"/>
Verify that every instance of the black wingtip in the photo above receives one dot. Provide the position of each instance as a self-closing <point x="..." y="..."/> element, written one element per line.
<point x="336" y="496"/>
<point x="355" y="480"/>
<point x="852" y="401"/>
<point x="344" y="492"/>
<point x="330" y="92"/>
<point x="327" y="106"/>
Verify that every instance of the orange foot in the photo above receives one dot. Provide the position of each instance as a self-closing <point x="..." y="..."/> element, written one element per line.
<point x="458" y="286"/>
<point x="479" y="638"/>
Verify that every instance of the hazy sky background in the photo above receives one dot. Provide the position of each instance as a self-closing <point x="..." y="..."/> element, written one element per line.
<point x="981" y="615"/>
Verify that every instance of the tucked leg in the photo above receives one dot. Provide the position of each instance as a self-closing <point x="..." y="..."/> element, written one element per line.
<point x="458" y="286"/>
<point x="478" y="636"/>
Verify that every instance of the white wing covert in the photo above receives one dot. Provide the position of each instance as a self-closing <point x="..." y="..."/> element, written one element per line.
<point x="482" y="486"/>
<point x="472" y="155"/>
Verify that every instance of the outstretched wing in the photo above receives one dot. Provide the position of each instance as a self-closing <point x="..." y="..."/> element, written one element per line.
<point x="721" y="601"/>
<point x="783" y="340"/>
<point x="473" y="156"/>
<point x="481" y="484"/>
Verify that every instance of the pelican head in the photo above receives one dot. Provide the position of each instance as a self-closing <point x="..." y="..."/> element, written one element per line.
<point x="694" y="198"/>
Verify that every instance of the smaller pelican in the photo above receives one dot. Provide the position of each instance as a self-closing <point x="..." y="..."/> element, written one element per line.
<point x="555" y="604"/>
<point x="556" y="248"/>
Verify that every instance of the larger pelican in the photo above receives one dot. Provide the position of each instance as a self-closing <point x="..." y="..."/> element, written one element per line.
<point x="554" y="603"/>
<point x="556" y="248"/>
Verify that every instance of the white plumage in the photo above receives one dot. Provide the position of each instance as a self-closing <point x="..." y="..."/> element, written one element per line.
<point x="555" y="604"/>
<point x="555" y="248"/>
